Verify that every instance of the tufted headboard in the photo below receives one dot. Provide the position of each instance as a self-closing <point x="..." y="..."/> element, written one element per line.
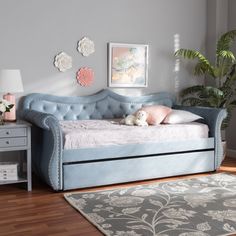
<point x="104" y="104"/>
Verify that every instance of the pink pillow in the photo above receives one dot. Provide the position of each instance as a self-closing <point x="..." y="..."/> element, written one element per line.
<point x="156" y="113"/>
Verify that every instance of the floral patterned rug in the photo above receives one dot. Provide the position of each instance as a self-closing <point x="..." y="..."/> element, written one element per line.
<point x="191" y="207"/>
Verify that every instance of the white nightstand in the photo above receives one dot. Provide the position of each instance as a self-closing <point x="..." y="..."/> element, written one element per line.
<point x="16" y="136"/>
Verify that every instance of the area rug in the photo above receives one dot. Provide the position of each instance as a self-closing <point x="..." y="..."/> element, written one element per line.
<point x="191" y="207"/>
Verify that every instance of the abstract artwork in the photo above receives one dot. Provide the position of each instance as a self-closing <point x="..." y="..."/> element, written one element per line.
<point x="128" y="65"/>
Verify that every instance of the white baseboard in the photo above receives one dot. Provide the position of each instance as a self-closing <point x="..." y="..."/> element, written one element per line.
<point x="231" y="153"/>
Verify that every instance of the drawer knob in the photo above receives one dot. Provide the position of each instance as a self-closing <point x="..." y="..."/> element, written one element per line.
<point x="7" y="132"/>
<point x="7" y="142"/>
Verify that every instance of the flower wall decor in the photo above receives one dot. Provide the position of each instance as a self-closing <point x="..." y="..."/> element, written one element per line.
<point x="86" y="46"/>
<point x="85" y="76"/>
<point x="63" y="61"/>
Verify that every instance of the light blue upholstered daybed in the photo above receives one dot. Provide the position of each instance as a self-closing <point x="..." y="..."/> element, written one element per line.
<point x="87" y="167"/>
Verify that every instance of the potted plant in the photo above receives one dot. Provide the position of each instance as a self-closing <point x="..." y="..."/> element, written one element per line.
<point x="222" y="71"/>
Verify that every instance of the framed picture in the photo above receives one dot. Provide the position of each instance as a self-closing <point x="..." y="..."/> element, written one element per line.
<point x="128" y="65"/>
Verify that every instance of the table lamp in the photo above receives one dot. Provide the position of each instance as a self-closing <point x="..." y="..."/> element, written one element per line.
<point x="10" y="82"/>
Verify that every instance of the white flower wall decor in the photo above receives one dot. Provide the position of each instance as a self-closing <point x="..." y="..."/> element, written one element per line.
<point x="63" y="61"/>
<point x="86" y="46"/>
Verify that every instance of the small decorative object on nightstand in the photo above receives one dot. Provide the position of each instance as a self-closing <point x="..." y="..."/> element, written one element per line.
<point x="16" y="137"/>
<point x="10" y="82"/>
<point x="5" y="106"/>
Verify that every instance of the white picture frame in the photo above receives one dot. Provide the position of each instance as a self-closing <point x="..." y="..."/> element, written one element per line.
<point x="128" y="65"/>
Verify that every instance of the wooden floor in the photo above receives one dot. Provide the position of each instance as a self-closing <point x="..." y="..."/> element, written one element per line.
<point x="46" y="213"/>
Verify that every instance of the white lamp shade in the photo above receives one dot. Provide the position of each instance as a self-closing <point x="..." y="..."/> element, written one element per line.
<point x="10" y="81"/>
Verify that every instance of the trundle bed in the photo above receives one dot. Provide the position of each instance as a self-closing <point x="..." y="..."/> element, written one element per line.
<point x="101" y="159"/>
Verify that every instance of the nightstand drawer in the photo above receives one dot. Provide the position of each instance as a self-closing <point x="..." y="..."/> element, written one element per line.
<point x="16" y="132"/>
<point x="13" y="142"/>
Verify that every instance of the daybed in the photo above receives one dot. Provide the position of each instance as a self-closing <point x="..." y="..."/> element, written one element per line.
<point x="88" y="166"/>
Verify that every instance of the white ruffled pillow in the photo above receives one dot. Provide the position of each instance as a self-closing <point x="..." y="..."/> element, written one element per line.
<point x="180" y="116"/>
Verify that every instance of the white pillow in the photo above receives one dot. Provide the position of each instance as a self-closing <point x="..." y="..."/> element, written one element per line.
<point x="180" y="116"/>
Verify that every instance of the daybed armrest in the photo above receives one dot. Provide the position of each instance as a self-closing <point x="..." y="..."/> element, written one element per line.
<point x="213" y="117"/>
<point x="38" y="118"/>
<point x="51" y="158"/>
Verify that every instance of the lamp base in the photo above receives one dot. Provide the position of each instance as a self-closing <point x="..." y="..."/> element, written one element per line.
<point x="11" y="115"/>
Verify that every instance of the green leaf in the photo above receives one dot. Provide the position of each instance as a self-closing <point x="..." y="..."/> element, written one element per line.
<point x="191" y="90"/>
<point x="216" y="72"/>
<point x="203" y="65"/>
<point x="208" y="92"/>
<point x="226" y="54"/>
<point x="225" y="41"/>
<point x="191" y="96"/>
<point x="230" y="82"/>
<point x="201" y="69"/>
<point x="226" y="68"/>
<point x="200" y="95"/>
<point x="194" y="101"/>
<point x="225" y="60"/>
<point x="224" y="44"/>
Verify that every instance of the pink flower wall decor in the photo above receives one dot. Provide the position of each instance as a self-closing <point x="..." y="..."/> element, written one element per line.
<point x="85" y="76"/>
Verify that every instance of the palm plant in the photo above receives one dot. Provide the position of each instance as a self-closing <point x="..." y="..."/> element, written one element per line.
<point x="223" y="72"/>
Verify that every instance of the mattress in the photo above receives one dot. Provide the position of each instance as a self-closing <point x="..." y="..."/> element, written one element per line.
<point x="95" y="133"/>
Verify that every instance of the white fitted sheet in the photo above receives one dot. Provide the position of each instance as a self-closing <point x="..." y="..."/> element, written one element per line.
<point x="95" y="133"/>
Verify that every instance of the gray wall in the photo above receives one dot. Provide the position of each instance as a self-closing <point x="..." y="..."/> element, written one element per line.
<point x="34" y="31"/>
<point x="231" y="134"/>
<point x="217" y="24"/>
